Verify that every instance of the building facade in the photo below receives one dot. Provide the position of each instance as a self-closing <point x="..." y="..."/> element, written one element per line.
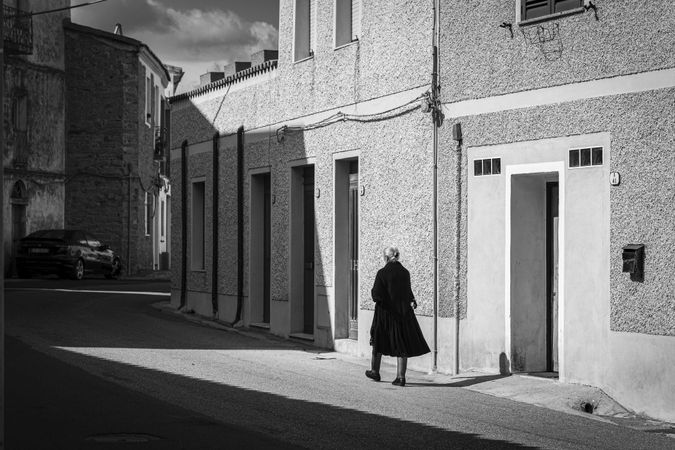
<point x="33" y="120"/>
<point x="118" y="186"/>
<point x="533" y="217"/>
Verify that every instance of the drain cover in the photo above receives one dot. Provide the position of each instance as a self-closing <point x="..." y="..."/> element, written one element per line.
<point x="122" y="438"/>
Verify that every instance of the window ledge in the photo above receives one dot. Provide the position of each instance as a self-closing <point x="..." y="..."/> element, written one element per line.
<point x="348" y="44"/>
<point x="569" y="12"/>
<point x="304" y="59"/>
<point x="198" y="270"/>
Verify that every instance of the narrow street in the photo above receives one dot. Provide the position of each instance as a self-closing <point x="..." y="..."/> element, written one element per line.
<point x="98" y="368"/>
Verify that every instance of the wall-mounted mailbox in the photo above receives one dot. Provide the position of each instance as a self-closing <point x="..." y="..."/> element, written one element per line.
<point x="633" y="260"/>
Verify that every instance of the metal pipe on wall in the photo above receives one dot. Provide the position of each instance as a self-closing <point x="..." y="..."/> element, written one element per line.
<point x="184" y="211"/>
<point x="240" y="224"/>
<point x="215" y="216"/>
<point x="436" y="120"/>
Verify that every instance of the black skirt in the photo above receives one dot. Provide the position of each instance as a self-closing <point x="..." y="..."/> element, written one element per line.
<point x="395" y="335"/>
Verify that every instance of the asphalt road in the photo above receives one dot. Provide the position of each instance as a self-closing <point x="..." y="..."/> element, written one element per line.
<point x="103" y="369"/>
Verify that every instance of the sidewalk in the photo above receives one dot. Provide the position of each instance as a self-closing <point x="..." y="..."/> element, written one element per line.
<point x="574" y="399"/>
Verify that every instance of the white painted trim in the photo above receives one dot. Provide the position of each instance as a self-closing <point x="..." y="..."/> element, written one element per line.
<point x="348" y="154"/>
<point x="259" y="170"/>
<point x="340" y="156"/>
<point x="309" y="161"/>
<point x="517" y="169"/>
<point x="624" y="84"/>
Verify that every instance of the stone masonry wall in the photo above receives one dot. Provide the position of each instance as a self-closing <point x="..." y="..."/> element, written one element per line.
<point x="98" y="132"/>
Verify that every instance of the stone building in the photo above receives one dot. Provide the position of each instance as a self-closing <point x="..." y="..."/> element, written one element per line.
<point x="118" y="186"/>
<point x="33" y="120"/>
<point x="534" y="218"/>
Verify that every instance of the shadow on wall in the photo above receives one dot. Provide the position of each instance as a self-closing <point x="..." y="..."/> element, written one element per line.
<point x="248" y="223"/>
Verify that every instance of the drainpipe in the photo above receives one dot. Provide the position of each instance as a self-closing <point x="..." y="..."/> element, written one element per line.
<point x="184" y="225"/>
<point x="129" y="219"/>
<point x="458" y="235"/>
<point x="240" y="224"/>
<point x="215" y="216"/>
<point x="436" y="122"/>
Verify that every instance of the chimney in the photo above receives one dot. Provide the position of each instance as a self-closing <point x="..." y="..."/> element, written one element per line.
<point x="210" y="77"/>
<point x="118" y="29"/>
<point x="263" y="56"/>
<point x="235" y="67"/>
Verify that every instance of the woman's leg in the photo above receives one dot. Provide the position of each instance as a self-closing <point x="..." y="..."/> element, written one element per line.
<point x="375" y="361"/>
<point x="401" y="366"/>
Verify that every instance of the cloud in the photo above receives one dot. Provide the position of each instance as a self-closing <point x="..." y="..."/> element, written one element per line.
<point x="190" y="36"/>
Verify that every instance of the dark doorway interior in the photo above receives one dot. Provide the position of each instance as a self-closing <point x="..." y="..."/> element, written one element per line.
<point x="552" y="276"/>
<point x="267" y="238"/>
<point x="308" y="252"/>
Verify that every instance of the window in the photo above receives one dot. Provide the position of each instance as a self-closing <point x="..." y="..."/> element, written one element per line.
<point x="585" y="157"/>
<point x="162" y="226"/>
<point x="305" y="11"/>
<point x="532" y="9"/>
<point x="148" y="100"/>
<point x="197" y="231"/>
<point x="488" y="166"/>
<point x="149" y="203"/>
<point x="347" y="21"/>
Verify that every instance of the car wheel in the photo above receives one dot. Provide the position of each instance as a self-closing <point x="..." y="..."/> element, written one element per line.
<point x="115" y="269"/>
<point x="78" y="270"/>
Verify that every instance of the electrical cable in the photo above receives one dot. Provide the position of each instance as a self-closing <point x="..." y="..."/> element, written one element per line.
<point x="49" y="11"/>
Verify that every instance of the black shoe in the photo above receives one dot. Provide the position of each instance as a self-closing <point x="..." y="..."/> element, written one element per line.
<point x="373" y="375"/>
<point x="399" y="382"/>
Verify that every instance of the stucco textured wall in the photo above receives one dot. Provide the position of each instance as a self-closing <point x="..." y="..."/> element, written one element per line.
<point x="639" y="125"/>
<point x="395" y="155"/>
<point x="480" y="59"/>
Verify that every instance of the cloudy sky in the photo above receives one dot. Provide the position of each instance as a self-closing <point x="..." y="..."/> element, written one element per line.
<point x="197" y="35"/>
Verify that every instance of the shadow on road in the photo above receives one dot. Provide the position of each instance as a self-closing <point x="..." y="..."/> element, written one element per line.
<point x="264" y="415"/>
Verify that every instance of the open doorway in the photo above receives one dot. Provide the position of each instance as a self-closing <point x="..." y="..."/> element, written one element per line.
<point x="346" y="248"/>
<point x="533" y="324"/>
<point x="303" y="235"/>
<point x="261" y="226"/>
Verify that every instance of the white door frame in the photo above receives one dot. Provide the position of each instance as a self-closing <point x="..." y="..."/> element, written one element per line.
<point x="518" y="169"/>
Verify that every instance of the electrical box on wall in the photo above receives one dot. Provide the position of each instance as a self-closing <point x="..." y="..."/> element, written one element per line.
<point x="633" y="256"/>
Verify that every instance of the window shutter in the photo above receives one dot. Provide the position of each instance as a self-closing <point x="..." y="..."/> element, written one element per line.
<point x="536" y="8"/>
<point x="356" y="19"/>
<point x="304" y="28"/>
<point x="343" y="22"/>
<point x="312" y="25"/>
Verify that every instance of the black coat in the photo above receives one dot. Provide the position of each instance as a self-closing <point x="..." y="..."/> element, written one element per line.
<point x="392" y="290"/>
<point x="395" y="331"/>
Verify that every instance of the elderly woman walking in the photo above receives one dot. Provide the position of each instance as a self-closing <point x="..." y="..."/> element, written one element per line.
<point x="395" y="331"/>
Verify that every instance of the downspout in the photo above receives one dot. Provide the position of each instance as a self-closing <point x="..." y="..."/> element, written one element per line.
<point x="184" y="224"/>
<point x="436" y="119"/>
<point x="240" y="224"/>
<point x="129" y="169"/>
<point x="215" y="217"/>
<point x="458" y="235"/>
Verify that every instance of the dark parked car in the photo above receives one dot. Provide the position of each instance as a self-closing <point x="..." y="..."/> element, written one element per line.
<point x="67" y="253"/>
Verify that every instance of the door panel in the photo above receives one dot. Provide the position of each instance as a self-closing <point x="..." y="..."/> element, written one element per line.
<point x="308" y="244"/>
<point x="353" y="239"/>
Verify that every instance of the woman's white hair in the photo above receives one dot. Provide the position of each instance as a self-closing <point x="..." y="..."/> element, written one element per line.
<point x="391" y="254"/>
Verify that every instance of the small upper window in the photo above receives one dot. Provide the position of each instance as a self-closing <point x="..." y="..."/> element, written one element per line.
<point x="488" y="166"/>
<point x="347" y="21"/>
<point x="304" y="29"/>
<point x="585" y="157"/>
<point x="532" y="9"/>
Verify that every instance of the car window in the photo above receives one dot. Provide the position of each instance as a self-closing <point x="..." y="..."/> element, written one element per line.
<point x="93" y="242"/>
<point x="78" y="236"/>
